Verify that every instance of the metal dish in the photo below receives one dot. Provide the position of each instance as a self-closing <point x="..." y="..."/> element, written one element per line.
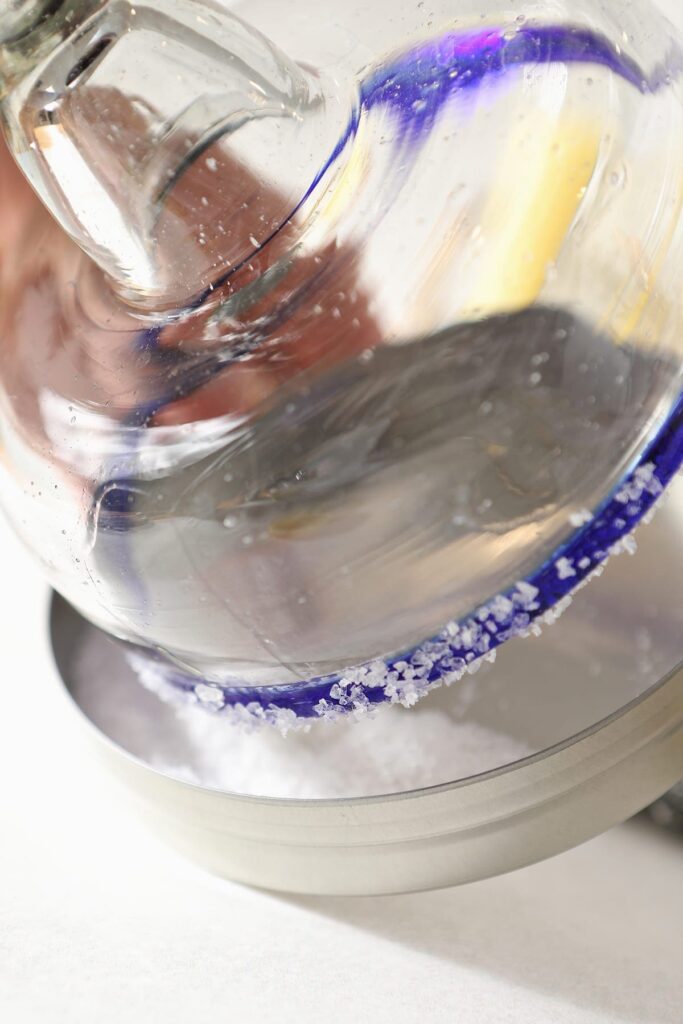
<point x="597" y="700"/>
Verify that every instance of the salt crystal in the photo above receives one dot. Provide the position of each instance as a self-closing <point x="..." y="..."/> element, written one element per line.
<point x="630" y="544"/>
<point x="525" y="595"/>
<point x="565" y="568"/>
<point x="207" y="694"/>
<point x="580" y="518"/>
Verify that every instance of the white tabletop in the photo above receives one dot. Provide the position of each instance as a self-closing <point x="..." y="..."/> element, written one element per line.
<point x="101" y="923"/>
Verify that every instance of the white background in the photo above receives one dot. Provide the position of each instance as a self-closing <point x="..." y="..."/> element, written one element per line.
<point x="100" y="923"/>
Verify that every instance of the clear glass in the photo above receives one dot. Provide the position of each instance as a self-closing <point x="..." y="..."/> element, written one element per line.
<point x="612" y="647"/>
<point x="362" y="332"/>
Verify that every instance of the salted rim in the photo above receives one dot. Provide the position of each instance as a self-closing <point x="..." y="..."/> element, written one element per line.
<point x="462" y="645"/>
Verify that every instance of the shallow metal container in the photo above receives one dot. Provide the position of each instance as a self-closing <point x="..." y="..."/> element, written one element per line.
<point x="597" y="699"/>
